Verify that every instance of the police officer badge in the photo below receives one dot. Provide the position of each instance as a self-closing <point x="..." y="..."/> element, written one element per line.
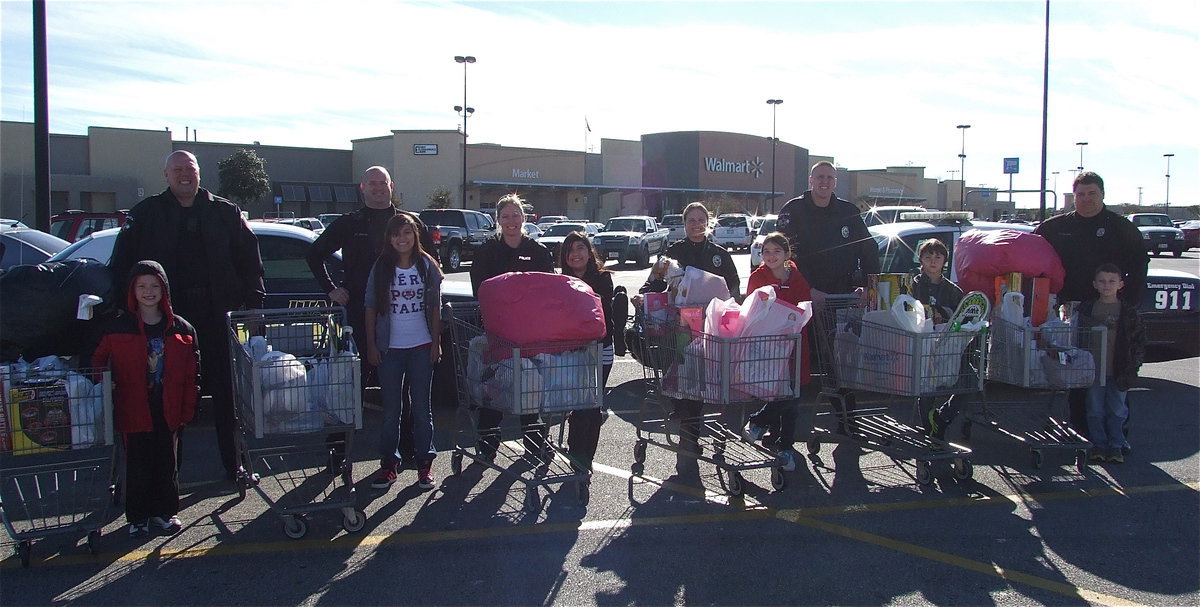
<point x="845" y="231"/>
<point x="716" y="260"/>
<point x="1099" y="232"/>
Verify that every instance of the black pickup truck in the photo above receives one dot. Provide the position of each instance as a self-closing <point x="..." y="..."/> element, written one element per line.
<point x="457" y="233"/>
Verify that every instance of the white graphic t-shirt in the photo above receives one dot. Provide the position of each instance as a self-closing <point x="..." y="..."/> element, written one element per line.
<point x="409" y="328"/>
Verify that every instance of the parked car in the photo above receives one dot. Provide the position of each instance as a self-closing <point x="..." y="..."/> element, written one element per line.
<point x="675" y="228"/>
<point x="308" y="223"/>
<point x="328" y="218"/>
<point x="631" y="238"/>
<point x="1158" y="234"/>
<point x="457" y="234"/>
<point x="766" y="227"/>
<point x="1191" y="234"/>
<point x="288" y="281"/>
<point x="12" y="223"/>
<point x="733" y="231"/>
<point x="28" y="246"/>
<point x="887" y="214"/>
<point x="548" y="220"/>
<point x="553" y="236"/>
<point x="73" y="225"/>
<point x="1169" y="306"/>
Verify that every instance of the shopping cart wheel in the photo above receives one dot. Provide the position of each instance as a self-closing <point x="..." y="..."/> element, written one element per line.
<point x="533" y="501"/>
<point x="778" y="480"/>
<point x="1081" y="461"/>
<point x="639" y="453"/>
<point x="25" y="551"/>
<point x="733" y="482"/>
<point x="1037" y="457"/>
<point x="963" y="469"/>
<point x="637" y="469"/>
<point x="814" y="446"/>
<point x="93" y="542"/>
<point x="354" y="521"/>
<point x="294" y="526"/>
<point x="924" y="473"/>
<point x="456" y="463"/>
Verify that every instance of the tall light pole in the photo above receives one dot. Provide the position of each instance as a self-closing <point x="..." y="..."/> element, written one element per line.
<point x="465" y="111"/>
<point x="774" y="140"/>
<point x="962" y="171"/>
<point x="1055" y="173"/>
<point x="1167" y="203"/>
<point x="1081" y="144"/>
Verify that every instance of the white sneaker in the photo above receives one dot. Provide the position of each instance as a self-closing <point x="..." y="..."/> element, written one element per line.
<point x="753" y="432"/>
<point x="788" y="457"/>
<point x="170" y="525"/>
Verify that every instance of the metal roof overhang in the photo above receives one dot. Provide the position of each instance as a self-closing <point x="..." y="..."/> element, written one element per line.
<point x="617" y="188"/>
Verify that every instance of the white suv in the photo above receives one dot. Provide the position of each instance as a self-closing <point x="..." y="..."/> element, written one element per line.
<point x="733" y="231"/>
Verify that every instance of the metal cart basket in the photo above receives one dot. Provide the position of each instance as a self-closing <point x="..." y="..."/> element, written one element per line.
<point x="550" y="379"/>
<point x="727" y="375"/>
<point x="297" y="406"/>
<point x="854" y="353"/>
<point x="1044" y="362"/>
<point x="56" y="455"/>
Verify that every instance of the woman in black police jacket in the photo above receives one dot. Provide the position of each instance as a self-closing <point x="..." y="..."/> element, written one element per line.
<point x="698" y="251"/>
<point x="509" y="251"/>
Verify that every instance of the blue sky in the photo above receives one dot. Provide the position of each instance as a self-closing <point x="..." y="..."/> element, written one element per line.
<point x="872" y="84"/>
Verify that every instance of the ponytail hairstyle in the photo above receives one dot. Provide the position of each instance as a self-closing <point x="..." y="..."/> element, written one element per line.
<point x="388" y="259"/>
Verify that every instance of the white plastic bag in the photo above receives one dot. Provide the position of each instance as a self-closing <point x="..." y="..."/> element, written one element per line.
<point x="279" y="368"/>
<point x="529" y="389"/>
<point x="87" y="402"/>
<point x="1012" y="308"/>
<point x="909" y="315"/>
<point x="699" y="287"/>
<point x="718" y="322"/>
<point x="764" y="314"/>
<point x="569" y="379"/>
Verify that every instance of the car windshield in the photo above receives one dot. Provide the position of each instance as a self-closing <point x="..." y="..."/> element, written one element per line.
<point x="1157" y="221"/>
<point x="768" y="226"/>
<point x="673" y="220"/>
<point x="562" y="229"/>
<point x="625" y="225"/>
<point x="732" y="221"/>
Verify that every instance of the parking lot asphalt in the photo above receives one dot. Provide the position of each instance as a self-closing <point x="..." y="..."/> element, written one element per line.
<point x="851" y="526"/>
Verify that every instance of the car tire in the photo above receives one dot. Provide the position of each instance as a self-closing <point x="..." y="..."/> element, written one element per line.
<point x="452" y="260"/>
<point x="644" y="256"/>
<point x="1178" y="252"/>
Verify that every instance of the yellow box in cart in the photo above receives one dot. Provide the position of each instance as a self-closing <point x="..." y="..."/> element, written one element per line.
<point x="38" y="415"/>
<point x="883" y="289"/>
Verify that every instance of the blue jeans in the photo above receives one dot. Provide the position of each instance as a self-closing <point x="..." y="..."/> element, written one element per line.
<point x="396" y="364"/>
<point x="1106" y="415"/>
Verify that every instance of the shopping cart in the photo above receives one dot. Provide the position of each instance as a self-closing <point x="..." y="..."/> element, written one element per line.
<point x="56" y="455"/>
<point x="1044" y="362"/>
<point x="727" y="375"/>
<point x="549" y="379"/>
<point x="854" y="354"/>
<point x="297" y="406"/>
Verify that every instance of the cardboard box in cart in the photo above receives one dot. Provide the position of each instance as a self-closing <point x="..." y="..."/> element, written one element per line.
<point x="37" y="415"/>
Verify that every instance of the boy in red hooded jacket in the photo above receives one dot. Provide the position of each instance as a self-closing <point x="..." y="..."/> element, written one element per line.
<point x="155" y="363"/>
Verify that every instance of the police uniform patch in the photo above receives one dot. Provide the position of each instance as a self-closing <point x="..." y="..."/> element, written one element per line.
<point x="1099" y="232"/>
<point x="716" y="261"/>
<point x="845" y="231"/>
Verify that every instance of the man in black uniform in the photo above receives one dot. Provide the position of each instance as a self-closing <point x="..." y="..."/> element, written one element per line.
<point x="211" y="258"/>
<point x="830" y="245"/>
<point x="359" y="235"/>
<point x="1085" y="238"/>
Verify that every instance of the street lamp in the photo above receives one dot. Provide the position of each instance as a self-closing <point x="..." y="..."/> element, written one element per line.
<point x="1055" y="173"/>
<point x="465" y="111"/>
<point x="962" y="171"/>
<point x="1167" y="204"/>
<point x="1081" y="144"/>
<point x="774" y="140"/>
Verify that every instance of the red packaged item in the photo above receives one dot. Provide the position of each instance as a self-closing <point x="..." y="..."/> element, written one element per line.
<point x="981" y="255"/>
<point x="551" y="312"/>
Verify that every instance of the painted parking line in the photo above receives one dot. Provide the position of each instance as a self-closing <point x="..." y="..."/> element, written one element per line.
<point x="748" y="509"/>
